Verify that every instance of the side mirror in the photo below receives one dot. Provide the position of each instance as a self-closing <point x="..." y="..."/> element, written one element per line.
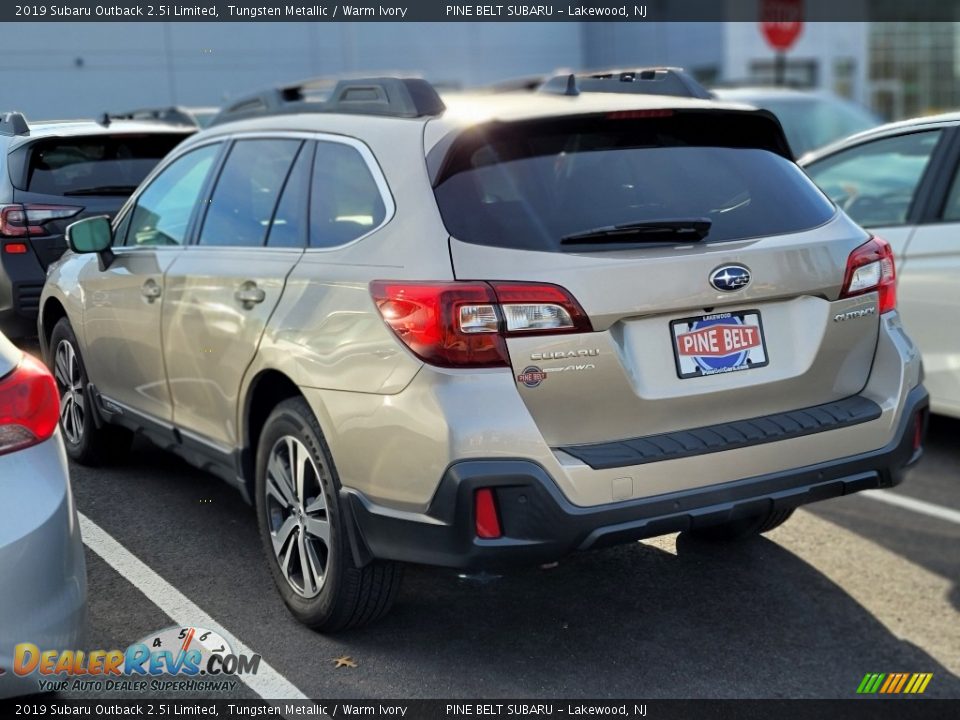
<point x="92" y="235"/>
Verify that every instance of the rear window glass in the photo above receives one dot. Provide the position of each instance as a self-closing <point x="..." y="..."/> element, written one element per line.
<point x="533" y="186"/>
<point x="97" y="165"/>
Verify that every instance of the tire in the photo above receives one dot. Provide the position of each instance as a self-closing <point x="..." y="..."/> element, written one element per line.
<point x="86" y="443"/>
<point x="304" y="533"/>
<point x="742" y="529"/>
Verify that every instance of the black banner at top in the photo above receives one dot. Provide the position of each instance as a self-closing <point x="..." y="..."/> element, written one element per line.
<point x="215" y="11"/>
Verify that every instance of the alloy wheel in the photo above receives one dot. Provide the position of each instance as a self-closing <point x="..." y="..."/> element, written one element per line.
<point x="70" y="384"/>
<point x="297" y="516"/>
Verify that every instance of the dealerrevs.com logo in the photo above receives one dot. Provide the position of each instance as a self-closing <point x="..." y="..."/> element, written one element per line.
<point x="185" y="653"/>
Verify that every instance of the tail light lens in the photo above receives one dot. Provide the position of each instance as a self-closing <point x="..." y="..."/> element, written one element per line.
<point x="871" y="268"/>
<point x="26" y="220"/>
<point x="29" y="406"/>
<point x="465" y="324"/>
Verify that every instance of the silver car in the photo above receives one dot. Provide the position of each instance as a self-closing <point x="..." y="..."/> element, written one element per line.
<point x="43" y="579"/>
<point x="486" y="330"/>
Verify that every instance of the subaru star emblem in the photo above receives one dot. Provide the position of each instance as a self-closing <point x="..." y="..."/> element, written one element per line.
<point x="730" y="278"/>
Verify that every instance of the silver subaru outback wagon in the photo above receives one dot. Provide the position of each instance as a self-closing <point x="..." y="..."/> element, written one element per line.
<point x="479" y="331"/>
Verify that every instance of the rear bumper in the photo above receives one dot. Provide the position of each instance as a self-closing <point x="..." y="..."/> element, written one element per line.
<point x="540" y="525"/>
<point x="21" y="282"/>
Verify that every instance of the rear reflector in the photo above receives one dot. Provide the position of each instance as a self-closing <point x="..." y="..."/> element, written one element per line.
<point x="29" y="406"/>
<point x="919" y="422"/>
<point x="871" y="268"/>
<point x="485" y="512"/>
<point x="464" y="324"/>
<point x="15" y="248"/>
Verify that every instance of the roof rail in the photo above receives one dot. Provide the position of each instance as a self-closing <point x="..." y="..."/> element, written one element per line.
<point x="173" y="115"/>
<point x="385" y="96"/>
<point x="646" y="81"/>
<point x="13" y="123"/>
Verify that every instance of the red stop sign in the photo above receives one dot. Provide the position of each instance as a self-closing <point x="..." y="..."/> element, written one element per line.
<point x="781" y="22"/>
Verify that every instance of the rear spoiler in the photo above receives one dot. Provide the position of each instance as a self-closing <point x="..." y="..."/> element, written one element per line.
<point x="720" y="127"/>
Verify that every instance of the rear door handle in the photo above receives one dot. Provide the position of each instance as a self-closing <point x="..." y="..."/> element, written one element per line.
<point x="151" y="290"/>
<point x="248" y="295"/>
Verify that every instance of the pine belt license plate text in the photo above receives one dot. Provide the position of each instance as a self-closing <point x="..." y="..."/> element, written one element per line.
<point x="719" y="343"/>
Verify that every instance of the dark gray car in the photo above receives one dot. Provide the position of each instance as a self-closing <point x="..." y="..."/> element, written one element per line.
<point x="53" y="173"/>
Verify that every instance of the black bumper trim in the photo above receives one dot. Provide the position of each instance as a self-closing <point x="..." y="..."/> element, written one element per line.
<point x="727" y="436"/>
<point x="541" y="525"/>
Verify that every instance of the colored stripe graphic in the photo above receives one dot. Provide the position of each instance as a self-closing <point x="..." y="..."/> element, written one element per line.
<point x="870" y="683"/>
<point x="903" y="680"/>
<point x="894" y="683"/>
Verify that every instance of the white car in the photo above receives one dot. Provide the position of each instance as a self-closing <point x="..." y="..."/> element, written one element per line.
<point x="902" y="182"/>
<point x="43" y="578"/>
<point x="810" y="118"/>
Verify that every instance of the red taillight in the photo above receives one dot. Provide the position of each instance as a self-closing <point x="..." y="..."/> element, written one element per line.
<point x="29" y="406"/>
<point x="25" y="220"/>
<point x="15" y="248"/>
<point x="487" y="521"/>
<point x="539" y="309"/>
<point x="464" y="324"/>
<point x="871" y="268"/>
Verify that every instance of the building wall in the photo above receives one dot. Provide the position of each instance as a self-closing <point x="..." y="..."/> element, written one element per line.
<point x="834" y="55"/>
<point x="914" y="68"/>
<point x="83" y="69"/>
<point x="695" y="46"/>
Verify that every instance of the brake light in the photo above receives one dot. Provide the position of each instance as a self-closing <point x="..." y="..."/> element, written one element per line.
<point x="464" y="324"/>
<point x="871" y="268"/>
<point x="29" y="406"/>
<point x="25" y="220"/>
<point x="638" y="114"/>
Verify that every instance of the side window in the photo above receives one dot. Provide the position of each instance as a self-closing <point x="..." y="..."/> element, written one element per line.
<point x="163" y="210"/>
<point x="288" y="228"/>
<point x="951" y="209"/>
<point x="345" y="201"/>
<point x="875" y="183"/>
<point x="246" y="193"/>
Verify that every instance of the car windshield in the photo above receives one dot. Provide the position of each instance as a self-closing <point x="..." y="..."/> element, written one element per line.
<point x="810" y="123"/>
<point x="557" y="186"/>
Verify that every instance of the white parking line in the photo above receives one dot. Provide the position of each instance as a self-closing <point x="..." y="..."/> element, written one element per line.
<point x="267" y="683"/>
<point x="937" y="511"/>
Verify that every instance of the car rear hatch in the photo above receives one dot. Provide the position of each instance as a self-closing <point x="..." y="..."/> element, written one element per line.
<point x="59" y="180"/>
<point x="707" y="263"/>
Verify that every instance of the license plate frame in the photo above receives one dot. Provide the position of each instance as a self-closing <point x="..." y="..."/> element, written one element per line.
<point x="739" y="331"/>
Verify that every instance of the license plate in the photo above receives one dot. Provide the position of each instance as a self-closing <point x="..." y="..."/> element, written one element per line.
<point x="718" y="343"/>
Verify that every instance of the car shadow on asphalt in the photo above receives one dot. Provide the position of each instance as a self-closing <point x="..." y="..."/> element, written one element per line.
<point x="931" y="543"/>
<point x="751" y="620"/>
<point x="637" y="621"/>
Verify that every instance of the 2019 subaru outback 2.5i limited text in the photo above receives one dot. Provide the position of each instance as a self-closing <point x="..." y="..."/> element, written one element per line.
<point x="485" y="333"/>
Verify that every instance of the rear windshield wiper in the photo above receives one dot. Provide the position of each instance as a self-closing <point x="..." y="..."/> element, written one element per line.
<point x="104" y="190"/>
<point x="689" y="229"/>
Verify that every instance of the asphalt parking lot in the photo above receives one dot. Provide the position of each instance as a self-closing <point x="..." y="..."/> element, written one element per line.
<point x="851" y="586"/>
